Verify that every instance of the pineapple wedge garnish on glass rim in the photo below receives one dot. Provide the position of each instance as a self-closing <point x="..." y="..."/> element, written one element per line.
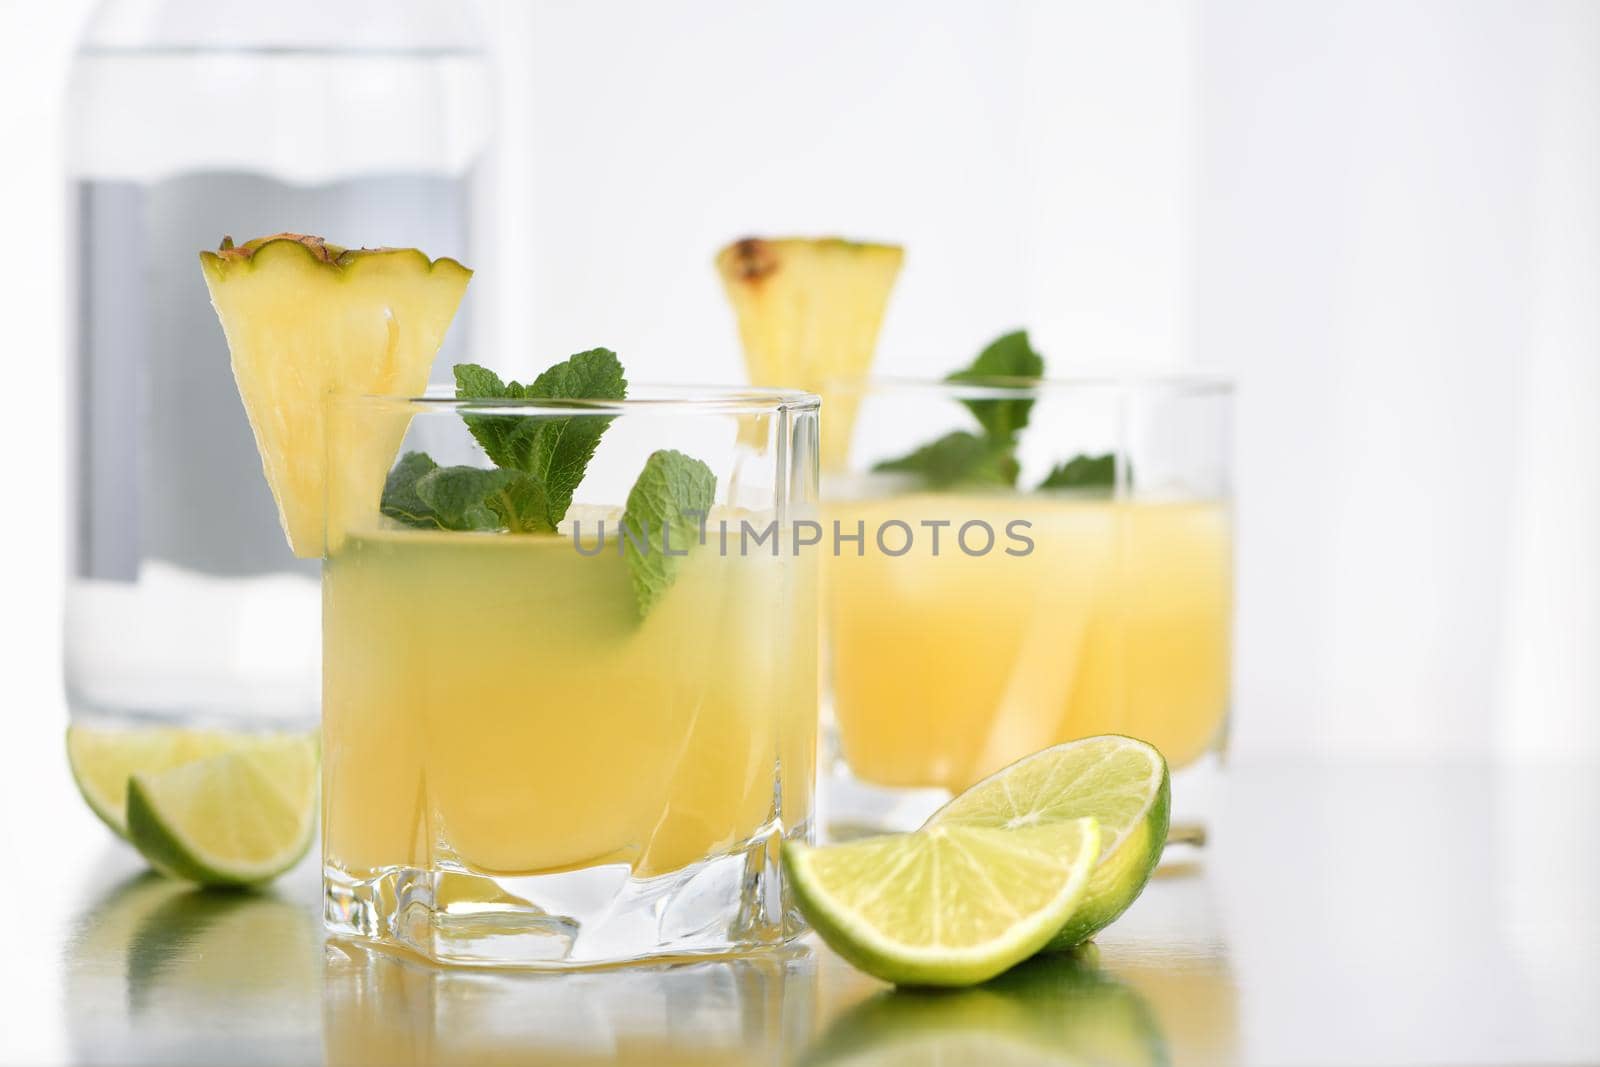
<point x="809" y="311"/>
<point x="305" y="318"/>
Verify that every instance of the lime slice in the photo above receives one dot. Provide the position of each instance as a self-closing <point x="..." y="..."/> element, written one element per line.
<point x="1121" y="782"/>
<point x="237" y="818"/>
<point x="946" y="905"/>
<point x="103" y="761"/>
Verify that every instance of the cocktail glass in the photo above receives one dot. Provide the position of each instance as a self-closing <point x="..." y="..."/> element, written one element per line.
<point x="527" y="761"/>
<point x="972" y="617"/>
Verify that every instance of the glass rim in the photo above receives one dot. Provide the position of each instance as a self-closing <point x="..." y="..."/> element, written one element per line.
<point x="1189" y="383"/>
<point x="644" y="398"/>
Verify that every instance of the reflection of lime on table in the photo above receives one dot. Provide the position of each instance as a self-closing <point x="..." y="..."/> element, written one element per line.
<point x="1058" y="1009"/>
<point x="181" y="973"/>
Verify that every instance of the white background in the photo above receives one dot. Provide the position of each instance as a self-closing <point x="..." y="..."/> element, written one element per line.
<point x="1380" y="216"/>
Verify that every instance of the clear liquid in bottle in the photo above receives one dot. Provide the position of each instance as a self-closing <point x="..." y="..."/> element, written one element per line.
<point x="183" y="603"/>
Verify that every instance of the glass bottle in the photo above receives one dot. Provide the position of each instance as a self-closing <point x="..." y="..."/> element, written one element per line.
<point x="363" y="122"/>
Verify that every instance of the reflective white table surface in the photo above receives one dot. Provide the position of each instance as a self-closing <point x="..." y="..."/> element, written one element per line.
<point x="1352" y="914"/>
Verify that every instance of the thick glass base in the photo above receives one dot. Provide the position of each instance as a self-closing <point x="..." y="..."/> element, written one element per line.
<point x="599" y="916"/>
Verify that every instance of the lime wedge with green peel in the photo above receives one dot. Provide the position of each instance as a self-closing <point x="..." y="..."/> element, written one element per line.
<point x="104" y="759"/>
<point x="1120" y="782"/>
<point x="948" y="905"/>
<point x="240" y="817"/>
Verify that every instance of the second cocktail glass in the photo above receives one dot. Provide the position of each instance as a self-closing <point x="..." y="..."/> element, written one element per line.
<point x="575" y="747"/>
<point x="985" y="599"/>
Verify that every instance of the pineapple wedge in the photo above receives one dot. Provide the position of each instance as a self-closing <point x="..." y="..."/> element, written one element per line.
<point x="305" y="318"/>
<point x="809" y="310"/>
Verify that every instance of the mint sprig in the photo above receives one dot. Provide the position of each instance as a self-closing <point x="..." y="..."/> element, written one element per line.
<point x="661" y="514"/>
<point x="988" y="459"/>
<point x="539" y="461"/>
<point x="963" y="459"/>
<point x="1008" y="356"/>
<point x="554" y="451"/>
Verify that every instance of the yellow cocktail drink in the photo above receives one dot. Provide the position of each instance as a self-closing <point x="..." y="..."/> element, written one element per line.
<point x="947" y="667"/>
<point x="538" y="749"/>
<point x="495" y="704"/>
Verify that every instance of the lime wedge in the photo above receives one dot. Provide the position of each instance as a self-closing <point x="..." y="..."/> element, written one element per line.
<point x="1120" y="782"/>
<point x="103" y="761"/>
<point x="946" y="905"/>
<point x="240" y="817"/>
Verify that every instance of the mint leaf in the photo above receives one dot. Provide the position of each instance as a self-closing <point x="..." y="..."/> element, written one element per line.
<point x="400" y="500"/>
<point x="1008" y="356"/>
<point x="968" y="459"/>
<point x="480" y="382"/>
<point x="957" y="459"/>
<point x="1085" y="472"/>
<point x="521" y="504"/>
<point x="506" y="439"/>
<point x="455" y="496"/>
<point x="541" y="460"/>
<point x="670" y="487"/>
<point x="554" y="450"/>
<point x="418" y="492"/>
<point x="563" y="447"/>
